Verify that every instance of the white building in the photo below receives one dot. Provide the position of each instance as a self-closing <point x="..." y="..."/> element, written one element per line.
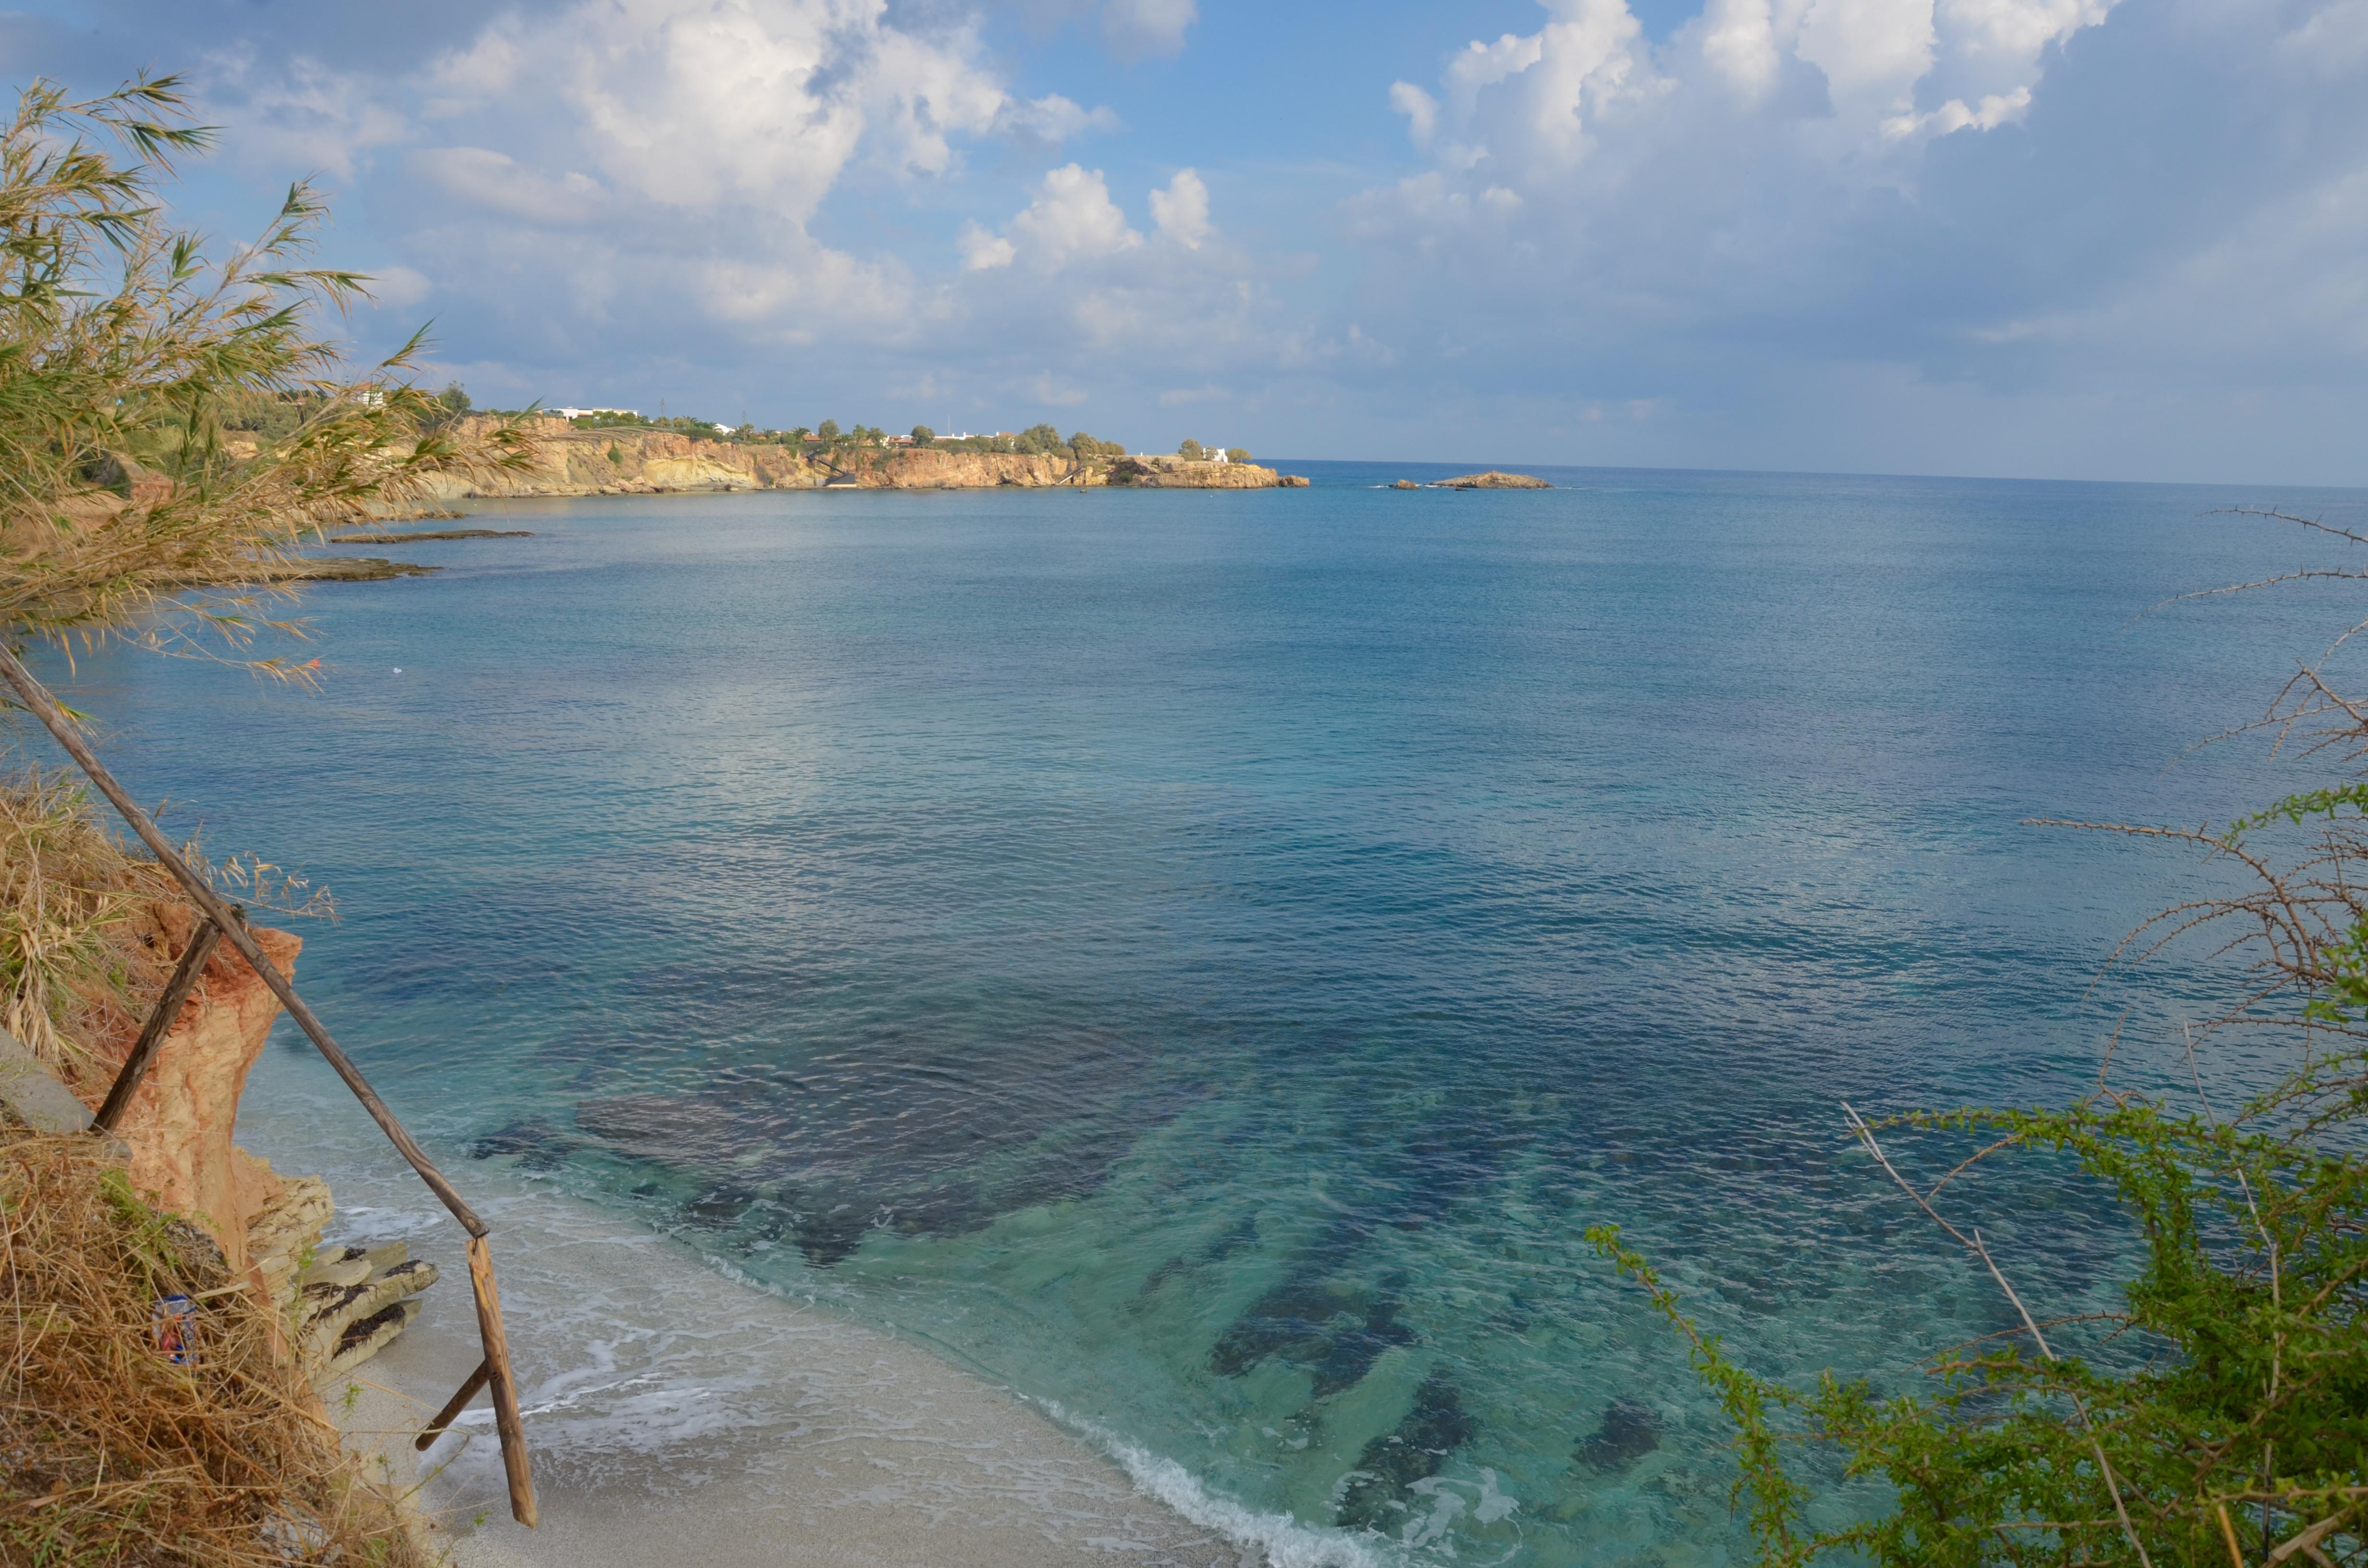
<point x="581" y="413"/>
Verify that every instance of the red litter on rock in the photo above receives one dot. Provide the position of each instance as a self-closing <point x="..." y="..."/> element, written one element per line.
<point x="173" y="1324"/>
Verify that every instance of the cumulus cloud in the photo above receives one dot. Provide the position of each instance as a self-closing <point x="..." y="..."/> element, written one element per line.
<point x="1071" y="219"/>
<point x="682" y="149"/>
<point x="1181" y="211"/>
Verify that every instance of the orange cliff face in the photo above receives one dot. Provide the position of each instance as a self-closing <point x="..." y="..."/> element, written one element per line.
<point x="180" y="1122"/>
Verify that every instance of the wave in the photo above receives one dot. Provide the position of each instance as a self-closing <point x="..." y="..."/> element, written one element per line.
<point x="1287" y="1542"/>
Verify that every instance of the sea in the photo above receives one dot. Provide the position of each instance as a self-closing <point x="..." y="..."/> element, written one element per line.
<point x="1202" y="959"/>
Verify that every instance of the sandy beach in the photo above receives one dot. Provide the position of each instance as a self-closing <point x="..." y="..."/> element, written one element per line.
<point x="681" y="1417"/>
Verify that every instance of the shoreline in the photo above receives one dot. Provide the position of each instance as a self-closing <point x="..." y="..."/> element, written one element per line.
<point x="678" y="1414"/>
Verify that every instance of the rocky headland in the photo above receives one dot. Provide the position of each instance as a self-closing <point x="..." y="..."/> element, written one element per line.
<point x="629" y="461"/>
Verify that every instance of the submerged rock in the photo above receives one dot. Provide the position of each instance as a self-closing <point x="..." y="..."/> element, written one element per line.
<point x="537" y="1147"/>
<point x="1415" y="1451"/>
<point x="1630" y="1431"/>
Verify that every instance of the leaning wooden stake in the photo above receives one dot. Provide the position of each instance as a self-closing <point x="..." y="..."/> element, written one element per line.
<point x="39" y="702"/>
<point x="460" y="1402"/>
<point x="160" y="1024"/>
<point x="497" y="1367"/>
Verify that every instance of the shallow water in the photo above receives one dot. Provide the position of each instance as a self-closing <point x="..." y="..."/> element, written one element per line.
<point x="1204" y="956"/>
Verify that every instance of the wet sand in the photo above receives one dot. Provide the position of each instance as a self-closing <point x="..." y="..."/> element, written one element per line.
<point x="680" y="1417"/>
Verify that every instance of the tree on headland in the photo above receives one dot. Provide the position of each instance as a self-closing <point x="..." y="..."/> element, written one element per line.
<point x="1236" y="455"/>
<point x="923" y="435"/>
<point x="1191" y="451"/>
<point x="828" y="431"/>
<point x="2218" y="1414"/>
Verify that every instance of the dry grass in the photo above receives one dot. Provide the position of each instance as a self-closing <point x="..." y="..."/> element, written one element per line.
<point x="74" y="909"/>
<point x="109" y="1453"/>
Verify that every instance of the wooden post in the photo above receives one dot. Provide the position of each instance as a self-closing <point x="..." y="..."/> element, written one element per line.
<point x="453" y="1408"/>
<point x="505" y="1385"/>
<point x="159" y="1025"/>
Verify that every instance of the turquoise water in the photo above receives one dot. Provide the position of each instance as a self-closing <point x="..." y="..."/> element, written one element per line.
<point x="1204" y="958"/>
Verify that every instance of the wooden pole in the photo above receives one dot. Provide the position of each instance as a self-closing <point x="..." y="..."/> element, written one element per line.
<point x="497" y="1369"/>
<point x="44" y="708"/>
<point x="160" y="1024"/>
<point x="453" y="1408"/>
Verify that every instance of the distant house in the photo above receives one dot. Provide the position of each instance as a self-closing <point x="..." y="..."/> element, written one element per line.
<point x="1215" y="455"/>
<point x="900" y="441"/>
<point x="585" y="412"/>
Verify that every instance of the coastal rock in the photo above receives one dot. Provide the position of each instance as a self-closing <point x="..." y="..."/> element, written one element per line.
<point x="1292" y="481"/>
<point x="1160" y="473"/>
<point x="1494" y="479"/>
<point x="365" y="1337"/>
<point x="179" y="1123"/>
<point x="341" y="1325"/>
<point x="1406" y="484"/>
<point x="285" y="1232"/>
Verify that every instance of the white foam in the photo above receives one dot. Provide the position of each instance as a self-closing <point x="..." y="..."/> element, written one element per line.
<point x="1286" y="1542"/>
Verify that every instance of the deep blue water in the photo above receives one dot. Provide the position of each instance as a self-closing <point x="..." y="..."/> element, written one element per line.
<point x="1205" y="957"/>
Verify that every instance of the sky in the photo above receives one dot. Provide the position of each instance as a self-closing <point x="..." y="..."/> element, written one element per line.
<point x="2097" y="239"/>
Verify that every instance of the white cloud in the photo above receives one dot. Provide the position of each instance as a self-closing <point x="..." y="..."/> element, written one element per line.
<point x="1528" y="108"/>
<point x="1181" y="211"/>
<point x="1071" y="219"/>
<point x="1052" y="120"/>
<point x="298" y="113"/>
<point x="1147" y="26"/>
<point x="1419" y="107"/>
<point x="680" y="151"/>
<point x="498" y="183"/>
<point x="397" y="287"/>
<point x="983" y="250"/>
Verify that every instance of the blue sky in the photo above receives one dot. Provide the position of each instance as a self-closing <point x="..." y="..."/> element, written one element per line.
<point x="2074" y="238"/>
